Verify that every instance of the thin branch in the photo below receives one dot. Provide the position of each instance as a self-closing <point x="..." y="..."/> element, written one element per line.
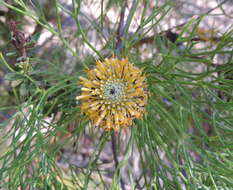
<point x="219" y="5"/>
<point x="123" y="28"/>
<point x="119" y="47"/>
<point x="113" y="140"/>
<point x="206" y="13"/>
<point x="150" y="39"/>
<point x="120" y="31"/>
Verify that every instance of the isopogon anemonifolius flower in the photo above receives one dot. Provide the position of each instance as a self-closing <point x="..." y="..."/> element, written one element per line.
<point x="113" y="94"/>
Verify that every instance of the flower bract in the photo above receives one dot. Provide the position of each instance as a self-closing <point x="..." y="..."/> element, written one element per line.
<point x="113" y="94"/>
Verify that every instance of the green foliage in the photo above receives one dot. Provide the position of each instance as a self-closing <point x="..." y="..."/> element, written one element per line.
<point x="184" y="141"/>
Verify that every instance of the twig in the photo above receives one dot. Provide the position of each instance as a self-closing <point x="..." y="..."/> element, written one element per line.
<point x="114" y="149"/>
<point x="120" y="31"/>
<point x="113" y="140"/>
<point x="206" y="13"/>
<point x="219" y="5"/>
<point x="119" y="47"/>
<point x="150" y="39"/>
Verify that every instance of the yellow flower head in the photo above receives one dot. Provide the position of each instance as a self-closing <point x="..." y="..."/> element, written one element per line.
<point x="113" y="94"/>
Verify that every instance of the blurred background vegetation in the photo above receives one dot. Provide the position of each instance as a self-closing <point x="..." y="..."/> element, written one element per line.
<point x="185" y="140"/>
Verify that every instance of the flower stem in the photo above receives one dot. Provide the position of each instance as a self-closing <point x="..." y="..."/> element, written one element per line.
<point x="113" y="140"/>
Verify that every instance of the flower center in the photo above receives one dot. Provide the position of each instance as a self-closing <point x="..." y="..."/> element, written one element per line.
<point x="113" y="91"/>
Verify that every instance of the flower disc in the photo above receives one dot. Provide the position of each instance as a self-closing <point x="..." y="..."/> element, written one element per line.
<point x="113" y="94"/>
